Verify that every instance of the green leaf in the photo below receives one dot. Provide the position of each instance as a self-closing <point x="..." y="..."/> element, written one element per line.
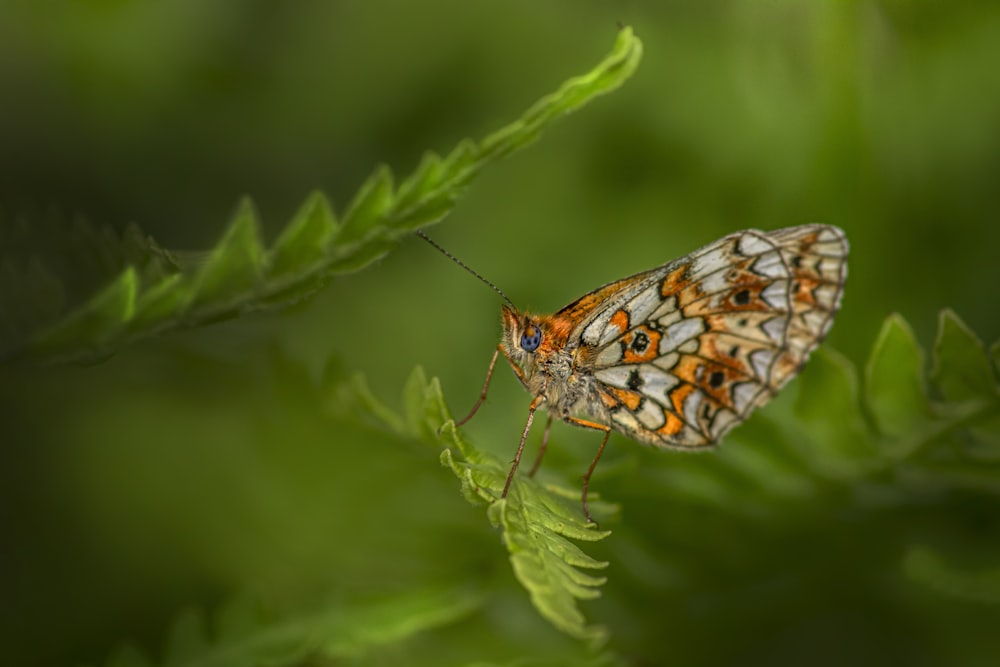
<point x="368" y="208"/>
<point x="428" y="174"/>
<point x="376" y="408"/>
<point x="961" y="369"/>
<point x="828" y="402"/>
<point x="96" y="321"/>
<point x="353" y="258"/>
<point x="306" y="240"/>
<point x="896" y="393"/>
<point x="928" y="568"/>
<point x="235" y="267"/>
<point x="159" y="305"/>
<point x="432" y="190"/>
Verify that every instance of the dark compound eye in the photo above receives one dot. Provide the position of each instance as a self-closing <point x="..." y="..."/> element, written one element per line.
<point x="531" y="338"/>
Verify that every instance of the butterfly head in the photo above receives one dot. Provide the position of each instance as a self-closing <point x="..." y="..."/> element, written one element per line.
<point x="522" y="336"/>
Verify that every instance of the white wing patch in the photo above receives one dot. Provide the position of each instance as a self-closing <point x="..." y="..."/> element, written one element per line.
<point x="677" y="334"/>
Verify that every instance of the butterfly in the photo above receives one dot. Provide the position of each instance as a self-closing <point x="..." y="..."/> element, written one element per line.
<point x="677" y="356"/>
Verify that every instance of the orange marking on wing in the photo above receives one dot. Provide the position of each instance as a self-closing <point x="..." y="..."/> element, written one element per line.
<point x="673" y="425"/>
<point x="804" y="293"/>
<point x="739" y="272"/>
<point x="620" y="320"/>
<point x="737" y="301"/>
<point x="687" y="369"/>
<point x="631" y="399"/>
<point x="678" y="396"/>
<point x="693" y="306"/>
<point x="699" y="372"/>
<point x="563" y="323"/>
<point x="808" y="241"/>
<point x="582" y="307"/>
<point x="719" y="392"/>
<point x="648" y="353"/>
<point x="708" y="347"/>
<point x="742" y="275"/>
<point x="689" y="294"/>
<point x="675" y="281"/>
<point x="608" y="400"/>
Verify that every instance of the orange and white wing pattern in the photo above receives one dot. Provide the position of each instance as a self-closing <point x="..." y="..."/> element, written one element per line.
<point x="683" y="353"/>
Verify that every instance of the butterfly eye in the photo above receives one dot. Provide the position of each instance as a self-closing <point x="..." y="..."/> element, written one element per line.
<point x="531" y="338"/>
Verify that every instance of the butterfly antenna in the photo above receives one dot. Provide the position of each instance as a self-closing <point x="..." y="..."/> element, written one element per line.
<point x="464" y="266"/>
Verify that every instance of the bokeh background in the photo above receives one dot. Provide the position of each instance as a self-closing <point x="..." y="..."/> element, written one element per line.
<point x="202" y="463"/>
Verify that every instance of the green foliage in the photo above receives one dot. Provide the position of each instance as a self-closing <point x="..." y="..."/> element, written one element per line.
<point x="535" y="519"/>
<point x="241" y="274"/>
<point x="242" y="635"/>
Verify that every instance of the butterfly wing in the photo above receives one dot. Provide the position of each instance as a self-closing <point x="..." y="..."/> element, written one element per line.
<point x="683" y="353"/>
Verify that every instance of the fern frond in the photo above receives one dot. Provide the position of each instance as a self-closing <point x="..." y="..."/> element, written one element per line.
<point x="242" y="275"/>
<point x="537" y="520"/>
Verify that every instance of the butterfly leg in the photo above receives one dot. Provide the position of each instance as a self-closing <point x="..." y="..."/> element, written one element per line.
<point x="538" y="400"/>
<point x="541" y="449"/>
<point x="593" y="464"/>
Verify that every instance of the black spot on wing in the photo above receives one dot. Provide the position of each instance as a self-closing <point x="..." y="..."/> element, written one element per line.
<point x="640" y="342"/>
<point x="716" y="379"/>
<point x="634" y="380"/>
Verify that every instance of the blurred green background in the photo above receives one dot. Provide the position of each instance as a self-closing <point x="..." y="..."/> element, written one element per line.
<point x="203" y="463"/>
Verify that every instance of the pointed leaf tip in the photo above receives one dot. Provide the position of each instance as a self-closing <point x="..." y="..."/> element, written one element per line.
<point x="574" y="93"/>
<point x="895" y="389"/>
<point x="306" y="240"/>
<point x="97" y="321"/>
<point x="368" y="208"/>
<point x="961" y="367"/>
<point x="236" y="265"/>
